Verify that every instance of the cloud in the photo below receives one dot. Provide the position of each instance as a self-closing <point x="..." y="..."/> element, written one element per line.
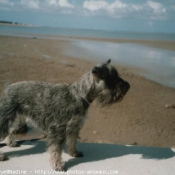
<point x="101" y="7"/>
<point x="95" y="5"/>
<point x="60" y="3"/>
<point x="46" y="6"/>
<point x="52" y="2"/>
<point x="118" y="9"/>
<point x="156" y="7"/>
<point x="32" y="4"/>
<point x="150" y="9"/>
<point x="157" y="10"/>
<point x="6" y="2"/>
<point x="65" y="3"/>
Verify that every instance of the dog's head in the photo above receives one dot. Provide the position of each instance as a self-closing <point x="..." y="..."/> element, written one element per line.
<point x="110" y="87"/>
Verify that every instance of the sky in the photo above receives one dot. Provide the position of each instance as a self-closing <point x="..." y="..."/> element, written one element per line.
<point x="110" y="15"/>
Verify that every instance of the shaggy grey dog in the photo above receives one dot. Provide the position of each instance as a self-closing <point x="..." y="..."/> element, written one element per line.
<point x="58" y="109"/>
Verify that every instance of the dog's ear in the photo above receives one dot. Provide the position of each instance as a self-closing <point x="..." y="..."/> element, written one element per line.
<point x="96" y="71"/>
<point x="107" y="63"/>
<point x="100" y="71"/>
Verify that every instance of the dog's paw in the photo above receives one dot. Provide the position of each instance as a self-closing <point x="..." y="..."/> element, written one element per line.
<point x="60" y="167"/>
<point x="3" y="157"/>
<point x="14" y="144"/>
<point x="77" y="154"/>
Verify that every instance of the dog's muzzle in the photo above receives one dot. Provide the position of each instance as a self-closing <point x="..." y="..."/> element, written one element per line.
<point x="122" y="89"/>
<point x="125" y="87"/>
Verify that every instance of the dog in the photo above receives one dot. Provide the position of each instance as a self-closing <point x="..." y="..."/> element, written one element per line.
<point x="60" y="109"/>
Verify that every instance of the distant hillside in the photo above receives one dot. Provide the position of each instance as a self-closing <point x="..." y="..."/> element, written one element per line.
<point x="9" y="22"/>
<point x="15" y="23"/>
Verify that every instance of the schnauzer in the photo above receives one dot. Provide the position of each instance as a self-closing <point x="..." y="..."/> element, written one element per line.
<point x="59" y="109"/>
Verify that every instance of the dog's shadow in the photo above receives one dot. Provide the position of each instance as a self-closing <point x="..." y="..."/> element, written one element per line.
<point x="37" y="147"/>
<point x="96" y="152"/>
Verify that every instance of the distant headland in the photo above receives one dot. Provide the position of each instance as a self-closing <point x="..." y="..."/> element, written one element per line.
<point x="15" y="23"/>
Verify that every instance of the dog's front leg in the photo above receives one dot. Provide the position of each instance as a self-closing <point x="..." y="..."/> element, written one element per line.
<point x="56" y="140"/>
<point x="72" y="133"/>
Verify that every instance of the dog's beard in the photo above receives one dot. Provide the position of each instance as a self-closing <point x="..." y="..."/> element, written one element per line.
<point x="107" y="97"/>
<point x="104" y="98"/>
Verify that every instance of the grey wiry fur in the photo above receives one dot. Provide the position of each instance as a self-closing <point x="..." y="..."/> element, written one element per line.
<point x="58" y="109"/>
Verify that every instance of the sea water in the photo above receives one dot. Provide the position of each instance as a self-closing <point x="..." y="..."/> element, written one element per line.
<point x="53" y="31"/>
<point x="158" y="64"/>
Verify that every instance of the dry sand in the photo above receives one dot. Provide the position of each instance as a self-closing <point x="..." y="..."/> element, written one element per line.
<point x="140" y="119"/>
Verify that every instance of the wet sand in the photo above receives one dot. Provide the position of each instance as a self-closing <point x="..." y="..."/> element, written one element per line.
<point x="169" y="45"/>
<point x="140" y="119"/>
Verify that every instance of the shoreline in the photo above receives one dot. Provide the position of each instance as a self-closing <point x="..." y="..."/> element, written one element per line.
<point x="140" y="119"/>
<point x="160" y="44"/>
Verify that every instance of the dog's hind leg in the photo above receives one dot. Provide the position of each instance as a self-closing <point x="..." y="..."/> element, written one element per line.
<point x="7" y="126"/>
<point x="8" y="113"/>
<point x="2" y="157"/>
<point x="10" y="141"/>
<point x="17" y="123"/>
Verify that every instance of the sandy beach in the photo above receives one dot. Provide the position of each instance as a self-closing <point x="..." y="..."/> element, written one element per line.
<point x="140" y="119"/>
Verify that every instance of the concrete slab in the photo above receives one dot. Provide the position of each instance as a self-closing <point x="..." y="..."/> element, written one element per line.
<point x="31" y="158"/>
